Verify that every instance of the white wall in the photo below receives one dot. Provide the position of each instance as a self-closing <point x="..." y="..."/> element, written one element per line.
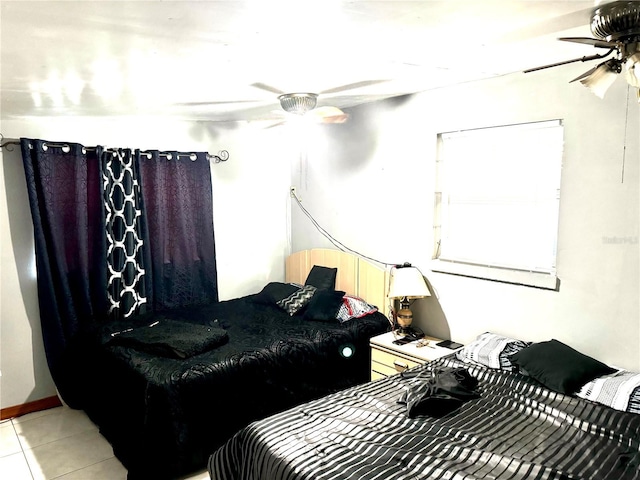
<point x="370" y="183"/>
<point x="250" y="194"/>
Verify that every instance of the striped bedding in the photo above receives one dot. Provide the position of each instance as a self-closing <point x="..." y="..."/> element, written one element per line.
<point x="516" y="430"/>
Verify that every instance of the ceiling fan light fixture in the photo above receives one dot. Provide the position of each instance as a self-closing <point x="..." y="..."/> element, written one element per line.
<point x="632" y="70"/>
<point x="298" y="103"/>
<point x="616" y="26"/>
<point x="602" y="77"/>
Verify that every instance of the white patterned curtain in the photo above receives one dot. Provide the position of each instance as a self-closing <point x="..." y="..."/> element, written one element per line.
<point x="125" y="260"/>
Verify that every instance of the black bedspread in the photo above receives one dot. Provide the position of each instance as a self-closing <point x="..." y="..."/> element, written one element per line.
<point x="517" y="429"/>
<point x="164" y="416"/>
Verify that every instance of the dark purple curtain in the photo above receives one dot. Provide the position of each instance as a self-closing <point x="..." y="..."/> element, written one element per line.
<point x="178" y="211"/>
<point x="68" y="219"/>
<point x="116" y="233"/>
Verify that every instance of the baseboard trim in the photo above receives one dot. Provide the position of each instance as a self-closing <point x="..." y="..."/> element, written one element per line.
<point x="30" y="407"/>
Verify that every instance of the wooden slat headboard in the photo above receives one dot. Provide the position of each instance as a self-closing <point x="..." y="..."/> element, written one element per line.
<point x="355" y="276"/>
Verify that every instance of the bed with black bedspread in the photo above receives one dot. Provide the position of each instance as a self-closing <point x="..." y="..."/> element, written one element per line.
<point x="515" y="428"/>
<point x="164" y="409"/>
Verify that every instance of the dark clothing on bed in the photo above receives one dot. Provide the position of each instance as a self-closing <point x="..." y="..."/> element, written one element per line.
<point x="172" y="339"/>
<point x="443" y="392"/>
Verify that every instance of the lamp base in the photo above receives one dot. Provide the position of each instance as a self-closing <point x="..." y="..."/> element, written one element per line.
<point x="405" y="319"/>
<point x="409" y="332"/>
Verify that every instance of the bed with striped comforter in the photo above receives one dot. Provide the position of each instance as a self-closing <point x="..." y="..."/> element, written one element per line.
<point x="517" y="429"/>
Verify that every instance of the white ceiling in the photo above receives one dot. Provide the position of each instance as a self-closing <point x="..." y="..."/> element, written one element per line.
<point x="199" y="59"/>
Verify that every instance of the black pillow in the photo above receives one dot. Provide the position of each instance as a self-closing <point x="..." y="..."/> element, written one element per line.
<point x="322" y="277"/>
<point x="274" y="292"/>
<point x="324" y="306"/>
<point x="558" y="366"/>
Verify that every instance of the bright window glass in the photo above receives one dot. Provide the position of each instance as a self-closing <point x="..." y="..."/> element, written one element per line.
<point x="497" y="198"/>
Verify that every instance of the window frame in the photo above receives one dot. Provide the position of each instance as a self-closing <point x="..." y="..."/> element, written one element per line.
<point x="540" y="278"/>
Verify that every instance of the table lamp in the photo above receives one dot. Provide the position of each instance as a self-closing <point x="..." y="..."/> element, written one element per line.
<point x="407" y="283"/>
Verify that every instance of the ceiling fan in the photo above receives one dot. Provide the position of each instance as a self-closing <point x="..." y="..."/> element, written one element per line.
<point x="616" y="26"/>
<point x="305" y="103"/>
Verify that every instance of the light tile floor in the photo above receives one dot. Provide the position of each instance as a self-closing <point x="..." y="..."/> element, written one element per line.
<point x="59" y="443"/>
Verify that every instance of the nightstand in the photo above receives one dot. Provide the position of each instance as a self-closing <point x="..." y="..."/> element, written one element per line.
<point x="389" y="359"/>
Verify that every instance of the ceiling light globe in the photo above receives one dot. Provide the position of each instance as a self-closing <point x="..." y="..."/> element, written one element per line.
<point x="632" y="70"/>
<point x="298" y="103"/>
<point x="602" y="78"/>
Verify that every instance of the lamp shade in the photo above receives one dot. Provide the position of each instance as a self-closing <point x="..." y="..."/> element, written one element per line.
<point x="633" y="70"/>
<point x="407" y="281"/>
<point x="601" y="78"/>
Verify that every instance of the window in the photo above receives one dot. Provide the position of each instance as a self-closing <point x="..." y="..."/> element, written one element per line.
<point x="497" y="201"/>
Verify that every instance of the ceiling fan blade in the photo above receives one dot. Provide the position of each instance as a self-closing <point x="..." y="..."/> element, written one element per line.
<point x="275" y="125"/>
<point x="328" y="114"/>
<point x="585" y="74"/>
<point x="335" y="120"/>
<point x="229" y="102"/>
<point x="268" y="88"/>
<point x="581" y="59"/>
<point x="352" y="86"/>
<point x="549" y="26"/>
<point x="590" y="41"/>
<point x="613" y="66"/>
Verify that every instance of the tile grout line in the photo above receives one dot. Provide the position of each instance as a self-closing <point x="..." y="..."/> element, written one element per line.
<point x="56" y="440"/>
<point x="81" y="468"/>
<point x="13" y="427"/>
<point x="25" y="422"/>
<point x="22" y="450"/>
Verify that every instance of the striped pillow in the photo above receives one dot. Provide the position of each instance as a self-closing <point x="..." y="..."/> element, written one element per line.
<point x="297" y="300"/>
<point x="620" y="390"/>
<point x="492" y="350"/>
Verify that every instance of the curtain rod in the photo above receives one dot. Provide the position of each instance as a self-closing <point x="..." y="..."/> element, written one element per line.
<point x="222" y="155"/>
